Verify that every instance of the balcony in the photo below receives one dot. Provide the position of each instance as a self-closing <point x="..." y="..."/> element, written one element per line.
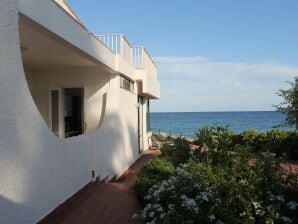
<point x="137" y="58"/>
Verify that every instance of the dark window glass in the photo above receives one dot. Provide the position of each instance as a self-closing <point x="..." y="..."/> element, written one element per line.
<point x="126" y="83"/>
<point x="55" y="111"/>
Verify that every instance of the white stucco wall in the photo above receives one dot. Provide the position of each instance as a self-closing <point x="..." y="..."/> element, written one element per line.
<point x="150" y="84"/>
<point x="38" y="171"/>
<point x="94" y="81"/>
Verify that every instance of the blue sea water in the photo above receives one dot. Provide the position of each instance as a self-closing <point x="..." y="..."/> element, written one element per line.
<point x="187" y="123"/>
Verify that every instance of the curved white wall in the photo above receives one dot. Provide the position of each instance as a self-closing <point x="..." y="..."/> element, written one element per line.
<point x="38" y="171"/>
<point x="94" y="81"/>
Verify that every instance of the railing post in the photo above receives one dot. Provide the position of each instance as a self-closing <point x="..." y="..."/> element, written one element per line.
<point x="142" y="57"/>
<point x="121" y="45"/>
<point x="131" y="55"/>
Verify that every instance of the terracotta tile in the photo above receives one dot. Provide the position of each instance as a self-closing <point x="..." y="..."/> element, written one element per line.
<point x="107" y="203"/>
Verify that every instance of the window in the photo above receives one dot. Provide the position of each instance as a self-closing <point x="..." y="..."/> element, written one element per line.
<point x="66" y="112"/>
<point x="126" y="83"/>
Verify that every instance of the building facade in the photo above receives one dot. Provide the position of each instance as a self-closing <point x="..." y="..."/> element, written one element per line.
<point x="74" y="106"/>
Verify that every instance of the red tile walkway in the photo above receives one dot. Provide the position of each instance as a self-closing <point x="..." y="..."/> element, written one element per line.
<point x="290" y="166"/>
<point x="111" y="203"/>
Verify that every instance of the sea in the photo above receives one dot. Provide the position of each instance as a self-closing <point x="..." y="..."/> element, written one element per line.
<point x="188" y="123"/>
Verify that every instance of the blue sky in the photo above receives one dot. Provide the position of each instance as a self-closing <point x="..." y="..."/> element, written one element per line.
<point x="212" y="55"/>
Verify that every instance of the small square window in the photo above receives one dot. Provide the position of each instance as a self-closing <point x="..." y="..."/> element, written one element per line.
<point x="126" y="83"/>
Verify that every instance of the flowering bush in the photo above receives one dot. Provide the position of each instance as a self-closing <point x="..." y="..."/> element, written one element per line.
<point x="153" y="173"/>
<point x="203" y="192"/>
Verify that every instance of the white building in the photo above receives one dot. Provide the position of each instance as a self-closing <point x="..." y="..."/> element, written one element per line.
<point x="73" y="106"/>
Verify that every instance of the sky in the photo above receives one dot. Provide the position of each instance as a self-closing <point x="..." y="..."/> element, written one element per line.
<point x="212" y="55"/>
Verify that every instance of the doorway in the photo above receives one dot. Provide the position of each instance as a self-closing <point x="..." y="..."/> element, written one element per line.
<point x="73" y="112"/>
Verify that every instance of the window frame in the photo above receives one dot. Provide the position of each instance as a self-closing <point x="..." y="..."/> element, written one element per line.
<point x="127" y="83"/>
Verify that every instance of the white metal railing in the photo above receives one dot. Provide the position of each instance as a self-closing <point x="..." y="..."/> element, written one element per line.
<point x="142" y="60"/>
<point x="118" y="44"/>
<point x="137" y="56"/>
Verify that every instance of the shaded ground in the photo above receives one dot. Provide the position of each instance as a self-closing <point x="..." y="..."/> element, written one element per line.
<point x="115" y="202"/>
<point x="110" y="203"/>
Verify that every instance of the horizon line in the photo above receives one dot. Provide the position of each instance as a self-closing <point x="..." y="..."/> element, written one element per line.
<point x="227" y="111"/>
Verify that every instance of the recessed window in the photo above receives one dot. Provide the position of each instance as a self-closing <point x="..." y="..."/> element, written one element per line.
<point x="126" y="83"/>
<point x="66" y="112"/>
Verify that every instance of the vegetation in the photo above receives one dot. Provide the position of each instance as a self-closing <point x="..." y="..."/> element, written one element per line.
<point x="179" y="149"/>
<point x="215" y="137"/>
<point x="282" y="143"/>
<point x="153" y="173"/>
<point x="289" y="106"/>
<point x="234" y="192"/>
<point x="230" y="178"/>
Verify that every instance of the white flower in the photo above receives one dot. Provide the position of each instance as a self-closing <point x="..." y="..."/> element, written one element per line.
<point x="217" y="201"/>
<point x="272" y="197"/>
<point x="203" y="195"/>
<point x="260" y="212"/>
<point x="211" y="218"/>
<point x="135" y="216"/>
<point x="280" y="198"/>
<point x="286" y="219"/>
<point x="148" y="197"/>
<point x="219" y="222"/>
<point x="238" y="196"/>
<point x="256" y="204"/>
<point x="162" y="216"/>
<point x="292" y="205"/>
<point x="242" y="214"/>
<point x="189" y="203"/>
<point x="251" y="218"/>
<point x="268" y="154"/>
<point x="171" y="206"/>
<point x="151" y="214"/>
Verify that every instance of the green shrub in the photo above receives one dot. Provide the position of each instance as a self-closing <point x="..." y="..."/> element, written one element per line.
<point x="277" y="141"/>
<point x="179" y="149"/>
<point x="271" y="139"/>
<point x="183" y="151"/>
<point x="289" y="146"/>
<point x="201" y="192"/>
<point x="204" y="136"/>
<point x="237" y="139"/>
<point x="167" y="149"/>
<point x="153" y="173"/>
<point x="250" y="138"/>
<point x="215" y="137"/>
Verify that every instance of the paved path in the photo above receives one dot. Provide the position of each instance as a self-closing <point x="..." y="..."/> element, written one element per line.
<point x="290" y="166"/>
<point x="111" y="203"/>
